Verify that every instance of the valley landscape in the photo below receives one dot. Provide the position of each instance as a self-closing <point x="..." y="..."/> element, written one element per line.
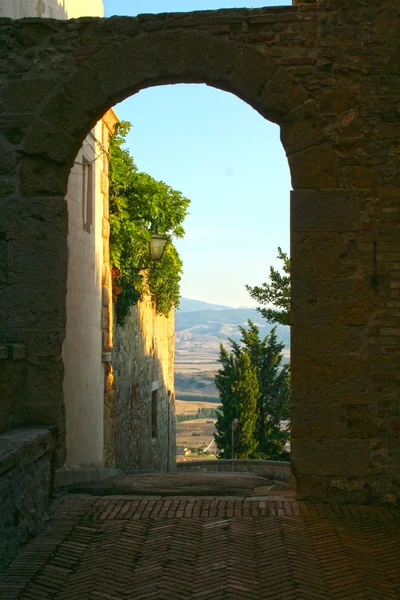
<point x="200" y="328"/>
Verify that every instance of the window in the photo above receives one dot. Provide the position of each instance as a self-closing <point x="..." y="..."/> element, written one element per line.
<point x="87" y="194"/>
<point x="154" y="402"/>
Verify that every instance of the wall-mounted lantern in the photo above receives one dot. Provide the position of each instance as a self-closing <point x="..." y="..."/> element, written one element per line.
<point x="157" y="246"/>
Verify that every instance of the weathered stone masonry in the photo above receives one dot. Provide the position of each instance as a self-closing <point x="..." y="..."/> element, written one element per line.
<point x="143" y="365"/>
<point x="328" y="73"/>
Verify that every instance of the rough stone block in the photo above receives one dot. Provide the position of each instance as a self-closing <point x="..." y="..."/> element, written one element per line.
<point x="39" y="343"/>
<point x="316" y="421"/>
<point x="36" y="216"/>
<point x="46" y="414"/>
<point x="45" y="378"/>
<point x="35" y="306"/>
<point x="26" y="94"/>
<point x="302" y="128"/>
<point x="314" y="168"/>
<point x="62" y="111"/>
<point x="280" y="96"/>
<point x="318" y="253"/>
<point x="218" y="58"/>
<point x="43" y="177"/>
<point x="332" y="301"/>
<point x="359" y="421"/>
<point x="84" y="85"/>
<point x="251" y="73"/>
<point x="327" y="457"/>
<point x="25" y="478"/>
<point x="32" y="258"/>
<point x="45" y="139"/>
<point x="326" y="378"/>
<point x="119" y="69"/>
<point x="335" y="211"/>
<point x="329" y="339"/>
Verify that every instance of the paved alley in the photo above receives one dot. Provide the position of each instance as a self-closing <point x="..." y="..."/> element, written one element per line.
<point x="208" y="548"/>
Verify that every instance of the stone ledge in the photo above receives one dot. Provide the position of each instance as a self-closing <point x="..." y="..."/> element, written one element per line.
<point x="24" y="446"/>
<point x="273" y="469"/>
<point x="26" y="457"/>
<point x="69" y="475"/>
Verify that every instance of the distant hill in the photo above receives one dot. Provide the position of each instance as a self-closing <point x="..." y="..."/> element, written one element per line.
<point x="198" y="333"/>
<point x="189" y="305"/>
<point x="199" y="330"/>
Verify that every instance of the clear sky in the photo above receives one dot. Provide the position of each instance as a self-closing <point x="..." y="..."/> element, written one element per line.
<point x="226" y="158"/>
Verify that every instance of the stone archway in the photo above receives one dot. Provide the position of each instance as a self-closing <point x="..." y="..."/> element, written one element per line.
<point x="77" y="70"/>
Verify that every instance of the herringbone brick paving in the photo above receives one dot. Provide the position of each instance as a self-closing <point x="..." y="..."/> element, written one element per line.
<point x="272" y="548"/>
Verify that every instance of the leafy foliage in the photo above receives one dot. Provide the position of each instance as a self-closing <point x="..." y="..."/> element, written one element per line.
<point x="238" y="387"/>
<point x="264" y="361"/>
<point x="139" y="207"/>
<point x="277" y="293"/>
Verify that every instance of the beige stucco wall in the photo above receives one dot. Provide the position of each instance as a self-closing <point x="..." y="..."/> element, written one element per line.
<point x="82" y="349"/>
<point x="56" y="9"/>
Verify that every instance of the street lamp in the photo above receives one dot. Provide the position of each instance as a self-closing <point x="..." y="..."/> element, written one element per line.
<point x="157" y="246"/>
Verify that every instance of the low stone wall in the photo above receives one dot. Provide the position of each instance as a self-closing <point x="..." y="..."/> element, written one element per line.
<point x="270" y="469"/>
<point x="25" y="481"/>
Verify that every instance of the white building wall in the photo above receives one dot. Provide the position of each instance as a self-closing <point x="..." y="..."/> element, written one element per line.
<point x="55" y="9"/>
<point x="82" y="349"/>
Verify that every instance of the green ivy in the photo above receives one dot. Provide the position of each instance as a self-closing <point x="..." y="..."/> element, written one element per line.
<point x="139" y="207"/>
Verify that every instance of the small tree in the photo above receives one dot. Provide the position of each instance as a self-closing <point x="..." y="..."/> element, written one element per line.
<point x="274" y="400"/>
<point x="238" y="387"/>
<point x="273" y="403"/>
<point x="277" y="293"/>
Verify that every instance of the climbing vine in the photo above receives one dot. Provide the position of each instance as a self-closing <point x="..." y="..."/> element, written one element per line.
<point x="139" y="207"/>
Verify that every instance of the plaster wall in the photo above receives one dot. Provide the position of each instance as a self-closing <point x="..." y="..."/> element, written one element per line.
<point x="143" y="363"/>
<point x="82" y="349"/>
<point x="55" y="9"/>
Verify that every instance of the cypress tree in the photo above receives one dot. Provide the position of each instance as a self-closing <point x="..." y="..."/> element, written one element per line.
<point x="238" y="387"/>
<point x="274" y="400"/>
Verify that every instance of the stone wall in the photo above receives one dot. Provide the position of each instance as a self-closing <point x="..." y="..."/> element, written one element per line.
<point x="270" y="469"/>
<point x="26" y="457"/>
<point x="143" y="367"/>
<point x="327" y="73"/>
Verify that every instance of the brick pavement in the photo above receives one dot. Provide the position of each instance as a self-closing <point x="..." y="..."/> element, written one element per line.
<point x="200" y="548"/>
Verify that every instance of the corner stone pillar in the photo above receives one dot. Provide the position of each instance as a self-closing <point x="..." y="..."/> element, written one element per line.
<point x="338" y="447"/>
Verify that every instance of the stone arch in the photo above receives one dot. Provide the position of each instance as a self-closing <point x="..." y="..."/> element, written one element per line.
<point x="116" y="58"/>
<point x="120" y="70"/>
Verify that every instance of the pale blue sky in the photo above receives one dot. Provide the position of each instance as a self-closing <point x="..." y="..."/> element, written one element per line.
<point x="226" y="158"/>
